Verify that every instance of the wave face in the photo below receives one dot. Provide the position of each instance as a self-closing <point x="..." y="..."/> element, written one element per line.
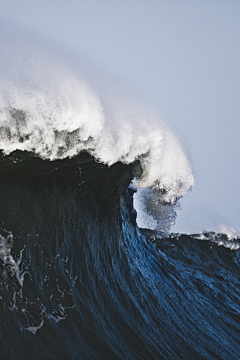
<point x="80" y="280"/>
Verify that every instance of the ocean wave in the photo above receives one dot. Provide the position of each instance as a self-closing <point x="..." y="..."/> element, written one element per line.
<point x="57" y="111"/>
<point x="79" y="278"/>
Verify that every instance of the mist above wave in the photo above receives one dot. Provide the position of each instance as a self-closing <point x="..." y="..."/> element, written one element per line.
<point x="56" y="111"/>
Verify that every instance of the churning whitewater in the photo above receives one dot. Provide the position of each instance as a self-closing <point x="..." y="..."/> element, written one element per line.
<point x="79" y="278"/>
<point x="50" y="109"/>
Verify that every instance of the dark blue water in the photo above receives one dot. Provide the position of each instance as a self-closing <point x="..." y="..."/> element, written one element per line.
<point x="80" y="280"/>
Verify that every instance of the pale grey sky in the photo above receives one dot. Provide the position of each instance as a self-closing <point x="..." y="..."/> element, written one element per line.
<point x="184" y="57"/>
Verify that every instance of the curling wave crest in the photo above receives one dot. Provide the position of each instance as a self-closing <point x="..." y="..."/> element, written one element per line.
<point x="49" y="109"/>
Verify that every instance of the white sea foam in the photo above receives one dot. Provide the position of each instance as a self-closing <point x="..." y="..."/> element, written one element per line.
<point x="34" y="329"/>
<point x="66" y="114"/>
<point x="5" y="255"/>
<point x="229" y="231"/>
<point x="227" y="237"/>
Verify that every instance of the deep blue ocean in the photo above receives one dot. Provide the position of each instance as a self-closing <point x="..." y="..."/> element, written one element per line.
<point x="80" y="280"/>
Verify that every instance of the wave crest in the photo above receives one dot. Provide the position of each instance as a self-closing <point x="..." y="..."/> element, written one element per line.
<point x="48" y="108"/>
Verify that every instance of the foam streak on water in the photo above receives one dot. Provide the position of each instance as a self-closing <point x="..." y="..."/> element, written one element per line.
<point x="5" y="255"/>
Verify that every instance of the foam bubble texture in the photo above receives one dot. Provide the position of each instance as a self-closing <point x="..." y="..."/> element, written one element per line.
<point x="51" y="110"/>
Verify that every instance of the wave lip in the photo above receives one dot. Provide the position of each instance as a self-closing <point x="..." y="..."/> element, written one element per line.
<point x="166" y="173"/>
<point x="56" y="111"/>
<point x="162" y="158"/>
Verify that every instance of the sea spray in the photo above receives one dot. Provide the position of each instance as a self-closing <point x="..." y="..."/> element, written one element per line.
<point x="56" y="111"/>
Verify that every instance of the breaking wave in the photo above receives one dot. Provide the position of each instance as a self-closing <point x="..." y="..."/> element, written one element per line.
<point x="79" y="278"/>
